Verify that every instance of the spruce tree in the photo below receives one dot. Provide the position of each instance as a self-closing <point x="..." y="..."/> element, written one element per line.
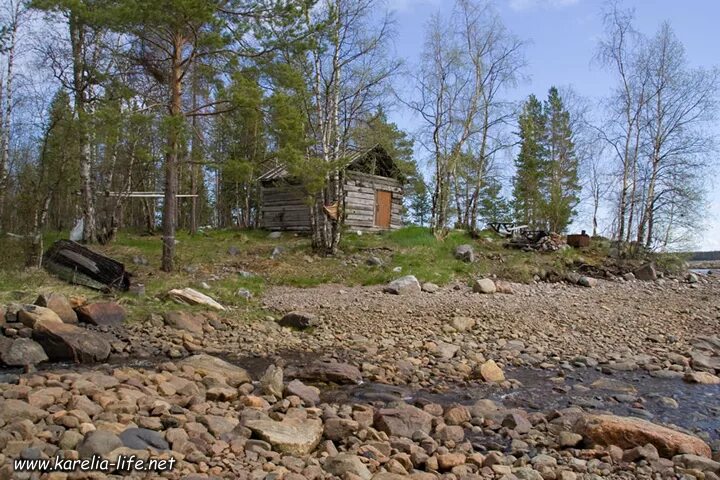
<point x="530" y="165"/>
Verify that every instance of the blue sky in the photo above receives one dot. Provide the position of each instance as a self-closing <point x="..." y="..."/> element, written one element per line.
<point x="563" y="36"/>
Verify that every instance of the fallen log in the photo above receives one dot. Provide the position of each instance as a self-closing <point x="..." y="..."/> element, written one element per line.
<point x="77" y="264"/>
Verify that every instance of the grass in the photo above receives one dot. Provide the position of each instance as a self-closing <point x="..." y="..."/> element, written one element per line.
<point x="206" y="258"/>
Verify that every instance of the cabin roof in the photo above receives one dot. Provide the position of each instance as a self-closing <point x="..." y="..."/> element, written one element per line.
<point x="387" y="167"/>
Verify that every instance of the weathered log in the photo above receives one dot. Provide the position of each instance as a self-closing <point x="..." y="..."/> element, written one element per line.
<point x="77" y="264"/>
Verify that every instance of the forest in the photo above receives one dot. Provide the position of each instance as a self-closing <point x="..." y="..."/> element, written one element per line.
<point x="160" y="116"/>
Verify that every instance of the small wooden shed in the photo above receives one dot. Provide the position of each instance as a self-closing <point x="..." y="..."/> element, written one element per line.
<point x="372" y="200"/>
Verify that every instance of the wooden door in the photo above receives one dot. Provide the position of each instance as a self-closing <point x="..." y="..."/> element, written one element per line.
<point x="383" y="206"/>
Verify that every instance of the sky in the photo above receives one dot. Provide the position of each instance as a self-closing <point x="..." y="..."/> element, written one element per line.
<point x="562" y="38"/>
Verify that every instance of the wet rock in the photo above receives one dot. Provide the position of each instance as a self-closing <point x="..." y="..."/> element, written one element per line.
<point x="142" y="438"/>
<point x="98" y="442"/>
<point x="406" y="285"/>
<point x="105" y="313"/>
<point x="491" y="372"/>
<point x="21" y="352"/>
<point x="345" y="464"/>
<point x="300" y="320"/>
<point x="335" y="372"/>
<point x="30" y="315"/>
<point x="646" y="273"/>
<point x="184" y="321"/>
<point x="59" y="304"/>
<point x="703" y="378"/>
<point x="189" y="296"/>
<point x="403" y="421"/>
<point x="627" y="432"/>
<point x="309" y="394"/>
<point x="465" y="253"/>
<point x="62" y="341"/>
<point x="484" y="285"/>
<point x="209" y="365"/>
<point x="291" y="436"/>
<point x="272" y="381"/>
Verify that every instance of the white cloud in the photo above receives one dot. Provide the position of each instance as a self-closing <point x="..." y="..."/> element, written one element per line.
<point x="522" y="5"/>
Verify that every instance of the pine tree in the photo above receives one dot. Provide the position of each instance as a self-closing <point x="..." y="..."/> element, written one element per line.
<point x="530" y="165"/>
<point x="561" y="186"/>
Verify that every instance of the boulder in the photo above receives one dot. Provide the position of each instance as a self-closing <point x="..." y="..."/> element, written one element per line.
<point x="292" y="436"/>
<point x="300" y="320"/>
<point x="98" y="442"/>
<point x="189" y="296"/>
<point x="465" y="253"/>
<point x="29" y="315"/>
<point x="491" y="372"/>
<point x="63" y="341"/>
<point x="703" y="378"/>
<point x="484" y="285"/>
<point x="142" y="438"/>
<point x="21" y="352"/>
<point x="403" y="421"/>
<point x="646" y="273"/>
<point x="335" y="372"/>
<point x="59" y="304"/>
<point x="209" y="365"/>
<point x="406" y="285"/>
<point x="344" y="464"/>
<point x="627" y="432"/>
<point x="272" y="381"/>
<point x="12" y="410"/>
<point x="184" y="321"/>
<point x="309" y="394"/>
<point x="102" y="313"/>
<point x="696" y="462"/>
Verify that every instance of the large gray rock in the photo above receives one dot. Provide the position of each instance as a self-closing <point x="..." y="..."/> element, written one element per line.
<point x="309" y="394"/>
<point x="209" y="365"/>
<point x="21" y="352"/>
<point x="98" y="442"/>
<point x="292" y="436"/>
<point x="403" y="421"/>
<point x="484" y="285"/>
<point x="403" y="286"/>
<point x="59" y="304"/>
<point x="335" y="372"/>
<point x="646" y="273"/>
<point x="62" y="341"/>
<point x="142" y="438"/>
<point x="465" y="253"/>
<point x="299" y="320"/>
<point x="344" y="463"/>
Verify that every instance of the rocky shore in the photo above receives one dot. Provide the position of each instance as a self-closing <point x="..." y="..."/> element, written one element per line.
<point x="275" y="419"/>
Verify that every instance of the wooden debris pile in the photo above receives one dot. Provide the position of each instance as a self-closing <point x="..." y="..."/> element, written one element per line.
<point x="79" y="265"/>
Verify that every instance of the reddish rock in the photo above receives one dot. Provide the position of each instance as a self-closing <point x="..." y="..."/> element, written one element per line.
<point x="184" y="321"/>
<point x="627" y="432"/>
<point x="105" y="313"/>
<point x="62" y="341"/>
<point x="403" y="421"/>
<point x="335" y="372"/>
<point x="59" y="304"/>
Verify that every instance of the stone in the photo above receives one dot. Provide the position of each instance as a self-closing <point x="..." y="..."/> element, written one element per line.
<point x="403" y="421"/>
<point x="244" y="293"/>
<point x="629" y="277"/>
<point x="374" y="261"/>
<point x="59" y="304"/>
<point x="190" y="296"/>
<point x="12" y="410"/>
<point x="21" y="352"/>
<point x="272" y="381"/>
<point x="691" y="278"/>
<point x="218" y="425"/>
<point x="299" y="320"/>
<point x="569" y="439"/>
<point x="70" y="440"/>
<point x="517" y="422"/>
<point x="30" y="315"/>
<point x="628" y="432"/>
<point x="98" y="442"/>
<point x="465" y="253"/>
<point x="646" y="273"/>
<point x="588" y="282"/>
<point x="463" y="324"/>
<point x="309" y="394"/>
<point x="429" y="287"/>
<point x="63" y="341"/>
<point x="704" y="362"/>
<point x="703" y="378"/>
<point x="447" y="461"/>
<point x="209" y="365"/>
<point x="406" y="285"/>
<point x="104" y="313"/>
<point x="344" y="464"/>
<point x="335" y="372"/>
<point x="484" y="285"/>
<point x="274" y="235"/>
<point x="696" y="462"/>
<point x="456" y="415"/>
<point x="292" y="436"/>
<point x="504" y="287"/>
<point x="338" y="429"/>
<point x="491" y="372"/>
<point x="184" y="321"/>
<point x="142" y="438"/>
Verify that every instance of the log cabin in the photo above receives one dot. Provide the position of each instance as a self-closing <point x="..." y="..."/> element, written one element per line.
<point x="372" y="199"/>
